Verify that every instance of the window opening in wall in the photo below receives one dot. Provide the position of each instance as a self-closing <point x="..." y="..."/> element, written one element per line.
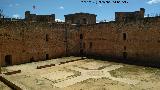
<point x="8" y="60"/>
<point x="124" y="55"/>
<point x="47" y="37"/>
<point x="124" y="36"/>
<point x="90" y="45"/>
<point x="47" y="56"/>
<point x="81" y="36"/>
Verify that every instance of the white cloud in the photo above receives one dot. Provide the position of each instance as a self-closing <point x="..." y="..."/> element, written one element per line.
<point x="16" y="16"/>
<point x="153" y="1"/>
<point x="61" y="7"/>
<point x="59" y="20"/>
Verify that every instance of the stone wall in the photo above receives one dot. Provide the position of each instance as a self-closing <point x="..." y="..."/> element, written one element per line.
<point x="80" y="18"/>
<point x="22" y="42"/>
<point x="139" y="40"/>
<point x="27" y="42"/>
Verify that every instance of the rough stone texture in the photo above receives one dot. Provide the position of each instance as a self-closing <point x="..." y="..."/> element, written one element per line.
<point x="44" y="18"/>
<point x="33" y="41"/>
<point x="80" y="18"/>
<point x="28" y="40"/>
<point x="142" y="39"/>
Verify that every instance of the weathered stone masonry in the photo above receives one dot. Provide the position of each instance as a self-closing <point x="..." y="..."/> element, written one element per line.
<point x="126" y="38"/>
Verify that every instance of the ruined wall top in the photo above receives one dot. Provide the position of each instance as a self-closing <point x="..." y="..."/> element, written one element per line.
<point x="80" y="18"/>
<point x="129" y="16"/>
<point x="39" y="18"/>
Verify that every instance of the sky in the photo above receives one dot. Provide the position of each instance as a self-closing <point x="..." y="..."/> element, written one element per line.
<point x="104" y="11"/>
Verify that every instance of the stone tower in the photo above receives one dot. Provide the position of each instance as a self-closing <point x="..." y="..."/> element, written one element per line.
<point x="80" y="18"/>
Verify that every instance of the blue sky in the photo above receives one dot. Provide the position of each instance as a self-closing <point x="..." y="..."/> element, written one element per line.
<point x="16" y="8"/>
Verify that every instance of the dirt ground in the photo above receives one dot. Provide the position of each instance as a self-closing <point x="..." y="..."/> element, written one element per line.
<point x="87" y="74"/>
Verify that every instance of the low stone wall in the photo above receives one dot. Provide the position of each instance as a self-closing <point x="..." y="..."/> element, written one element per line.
<point x="45" y="66"/>
<point x="70" y="61"/>
<point x="9" y="84"/>
<point x="13" y="72"/>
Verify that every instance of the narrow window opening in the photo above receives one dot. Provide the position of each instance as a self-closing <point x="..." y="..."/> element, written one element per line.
<point x="84" y="45"/>
<point x="124" y="36"/>
<point x="47" y="37"/>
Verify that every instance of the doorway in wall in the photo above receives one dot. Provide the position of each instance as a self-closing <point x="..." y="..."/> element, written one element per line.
<point x="81" y="52"/>
<point x="124" y="55"/>
<point x="47" y="56"/>
<point x="8" y="60"/>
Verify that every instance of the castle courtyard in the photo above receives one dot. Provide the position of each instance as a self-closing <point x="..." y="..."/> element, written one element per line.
<point x="74" y="73"/>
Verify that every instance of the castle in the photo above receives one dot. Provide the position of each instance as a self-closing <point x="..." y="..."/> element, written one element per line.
<point x="38" y="37"/>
